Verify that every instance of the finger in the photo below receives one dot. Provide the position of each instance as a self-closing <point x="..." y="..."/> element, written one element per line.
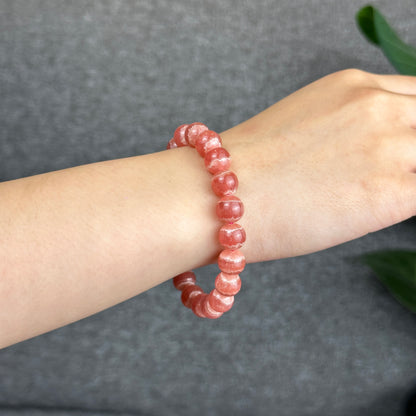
<point x="400" y="84"/>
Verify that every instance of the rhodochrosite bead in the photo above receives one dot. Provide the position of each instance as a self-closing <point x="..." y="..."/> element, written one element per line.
<point x="193" y="131"/>
<point x="184" y="279"/>
<point x="206" y="141"/>
<point x="220" y="302"/>
<point x="230" y="208"/>
<point x="179" y="136"/>
<point x="217" y="160"/>
<point x="228" y="284"/>
<point x="188" y="293"/>
<point x="196" y="304"/>
<point x="231" y="261"/>
<point x="232" y="236"/>
<point x="171" y="144"/>
<point x="208" y="310"/>
<point x="224" y="183"/>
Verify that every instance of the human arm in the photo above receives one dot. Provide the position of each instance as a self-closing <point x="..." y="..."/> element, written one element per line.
<point x="79" y="240"/>
<point x="328" y="164"/>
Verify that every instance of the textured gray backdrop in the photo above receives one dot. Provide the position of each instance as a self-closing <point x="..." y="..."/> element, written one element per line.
<point x="94" y="80"/>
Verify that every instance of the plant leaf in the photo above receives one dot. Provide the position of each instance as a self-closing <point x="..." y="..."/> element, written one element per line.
<point x="396" y="269"/>
<point x="365" y="21"/>
<point x="376" y="29"/>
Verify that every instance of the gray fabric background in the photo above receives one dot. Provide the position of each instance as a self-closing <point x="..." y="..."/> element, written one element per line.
<point x="87" y="81"/>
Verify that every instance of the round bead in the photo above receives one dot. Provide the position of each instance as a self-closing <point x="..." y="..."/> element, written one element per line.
<point x="220" y="302"/>
<point x="217" y="160"/>
<point x="230" y="208"/>
<point x="232" y="236"/>
<point x="196" y="304"/>
<point x="228" y="284"/>
<point x="208" y="311"/>
<point x="231" y="261"/>
<point x="224" y="183"/>
<point x="171" y="144"/>
<point x="179" y="136"/>
<point x="188" y="293"/>
<point x="193" y="131"/>
<point x="206" y="141"/>
<point x="184" y="279"/>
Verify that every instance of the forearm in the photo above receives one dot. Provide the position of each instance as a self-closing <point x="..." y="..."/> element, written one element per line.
<point x="80" y="240"/>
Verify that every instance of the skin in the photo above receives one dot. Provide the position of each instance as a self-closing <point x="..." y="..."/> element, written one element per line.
<point x="328" y="164"/>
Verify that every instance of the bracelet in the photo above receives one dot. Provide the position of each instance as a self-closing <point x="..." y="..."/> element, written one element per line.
<point x="231" y="235"/>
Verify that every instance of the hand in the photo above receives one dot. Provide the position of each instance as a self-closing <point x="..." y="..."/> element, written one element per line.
<point x="328" y="164"/>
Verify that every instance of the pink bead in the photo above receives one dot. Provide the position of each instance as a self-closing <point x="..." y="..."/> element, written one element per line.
<point x="232" y="236"/>
<point x="228" y="284"/>
<point x="188" y="293"/>
<point x="208" y="311"/>
<point x="230" y="208"/>
<point x="220" y="302"/>
<point x="196" y="304"/>
<point x="179" y="136"/>
<point x="184" y="279"/>
<point x="206" y="141"/>
<point x="217" y="160"/>
<point x="231" y="261"/>
<point x="171" y="144"/>
<point x="224" y="183"/>
<point x="193" y="131"/>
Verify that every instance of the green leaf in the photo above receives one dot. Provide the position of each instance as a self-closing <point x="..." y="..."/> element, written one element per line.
<point x="376" y="29"/>
<point x="365" y="21"/>
<point x="397" y="271"/>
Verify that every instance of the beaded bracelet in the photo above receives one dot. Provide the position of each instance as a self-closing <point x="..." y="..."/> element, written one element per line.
<point x="231" y="235"/>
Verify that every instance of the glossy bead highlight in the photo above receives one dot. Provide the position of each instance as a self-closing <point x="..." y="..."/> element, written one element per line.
<point x="220" y="302"/>
<point x="196" y="304"/>
<point x="179" y="136"/>
<point x="188" y="293"/>
<point x="230" y="208"/>
<point x="224" y="183"/>
<point x="217" y="160"/>
<point x="208" y="311"/>
<point x="228" y="284"/>
<point x="232" y="236"/>
<point x="206" y="141"/>
<point x="193" y="131"/>
<point x="184" y="279"/>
